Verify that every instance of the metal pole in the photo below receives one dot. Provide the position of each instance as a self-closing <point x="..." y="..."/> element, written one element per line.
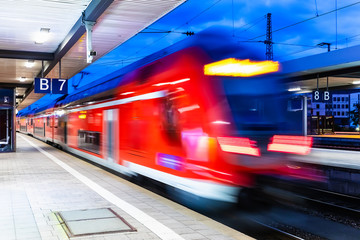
<point x="327" y="83"/>
<point x="60" y="68"/>
<point x="305" y="116"/>
<point x="317" y="82"/>
<point x="336" y="24"/>
<point x="268" y="42"/>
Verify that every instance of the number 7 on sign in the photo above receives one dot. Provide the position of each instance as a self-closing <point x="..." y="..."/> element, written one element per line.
<point x="59" y="86"/>
<point x="62" y="84"/>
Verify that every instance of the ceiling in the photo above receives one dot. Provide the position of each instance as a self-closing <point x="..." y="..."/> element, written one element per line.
<point x="116" y="22"/>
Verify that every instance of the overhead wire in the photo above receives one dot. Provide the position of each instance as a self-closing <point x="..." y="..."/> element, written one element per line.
<point x="316" y="8"/>
<point x="255" y="22"/>
<point x="166" y="33"/>
<point x="192" y="19"/>
<point x="297" y="52"/>
<point x="290" y="44"/>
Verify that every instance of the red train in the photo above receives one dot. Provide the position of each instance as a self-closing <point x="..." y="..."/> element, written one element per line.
<point x="190" y="119"/>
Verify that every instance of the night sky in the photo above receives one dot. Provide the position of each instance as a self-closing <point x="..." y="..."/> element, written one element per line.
<point x="304" y="24"/>
<point x="298" y="27"/>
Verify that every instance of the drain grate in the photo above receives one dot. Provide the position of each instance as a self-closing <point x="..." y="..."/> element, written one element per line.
<point x="92" y="221"/>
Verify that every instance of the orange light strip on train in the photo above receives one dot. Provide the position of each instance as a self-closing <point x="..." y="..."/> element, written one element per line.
<point x="240" y="68"/>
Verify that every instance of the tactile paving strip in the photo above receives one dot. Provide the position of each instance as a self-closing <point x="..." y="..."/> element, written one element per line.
<point x="92" y="221"/>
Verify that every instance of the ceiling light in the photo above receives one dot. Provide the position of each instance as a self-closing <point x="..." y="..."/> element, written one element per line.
<point x="22" y="79"/>
<point x="305" y="91"/>
<point x="295" y="89"/>
<point x="356" y="82"/>
<point x="42" y="36"/>
<point x="30" y="63"/>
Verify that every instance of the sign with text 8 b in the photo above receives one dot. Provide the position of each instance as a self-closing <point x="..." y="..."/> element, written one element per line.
<point x="321" y="96"/>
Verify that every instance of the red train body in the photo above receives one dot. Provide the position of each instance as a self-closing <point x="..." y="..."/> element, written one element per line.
<point x="169" y="121"/>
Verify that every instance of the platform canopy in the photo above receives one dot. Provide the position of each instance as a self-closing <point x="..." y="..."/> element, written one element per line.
<point x="116" y="21"/>
<point x="338" y="69"/>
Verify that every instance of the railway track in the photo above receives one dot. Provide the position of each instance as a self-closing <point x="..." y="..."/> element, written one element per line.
<point x="271" y="232"/>
<point x="333" y="202"/>
<point x="336" y="202"/>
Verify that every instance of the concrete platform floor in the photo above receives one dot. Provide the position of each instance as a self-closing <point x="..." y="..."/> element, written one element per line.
<point x="37" y="181"/>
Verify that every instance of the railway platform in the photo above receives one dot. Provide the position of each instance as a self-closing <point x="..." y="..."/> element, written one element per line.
<point x="49" y="194"/>
<point x="338" y="140"/>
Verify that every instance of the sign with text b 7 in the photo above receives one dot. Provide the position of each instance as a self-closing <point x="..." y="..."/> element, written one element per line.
<point x="48" y="85"/>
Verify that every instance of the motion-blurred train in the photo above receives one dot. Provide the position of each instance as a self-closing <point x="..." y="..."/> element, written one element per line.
<point x="203" y="116"/>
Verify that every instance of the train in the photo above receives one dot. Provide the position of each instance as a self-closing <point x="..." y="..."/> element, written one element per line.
<point x="204" y="117"/>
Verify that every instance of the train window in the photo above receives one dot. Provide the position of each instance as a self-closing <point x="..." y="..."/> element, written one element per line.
<point x="31" y="122"/>
<point x="89" y="141"/>
<point x="257" y="113"/>
<point x="170" y="119"/>
<point x="48" y="121"/>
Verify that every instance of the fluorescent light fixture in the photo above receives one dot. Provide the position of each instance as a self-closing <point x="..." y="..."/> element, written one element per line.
<point x="30" y="63"/>
<point x="127" y="93"/>
<point x="220" y="122"/>
<point x="189" y="108"/>
<point x="295" y="89"/>
<point x="172" y="83"/>
<point x="305" y="91"/>
<point x="356" y="82"/>
<point x="240" y="68"/>
<point x="22" y="79"/>
<point x="42" y="36"/>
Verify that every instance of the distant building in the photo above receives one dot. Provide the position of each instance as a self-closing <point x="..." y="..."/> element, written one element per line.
<point x="354" y="99"/>
<point x="339" y="107"/>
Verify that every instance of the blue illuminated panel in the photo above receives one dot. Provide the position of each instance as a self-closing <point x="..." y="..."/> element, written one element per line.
<point x="59" y="86"/>
<point x="170" y="161"/>
<point x="42" y="85"/>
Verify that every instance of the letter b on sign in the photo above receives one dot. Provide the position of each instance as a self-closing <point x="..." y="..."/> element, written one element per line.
<point x="326" y="96"/>
<point x="42" y="85"/>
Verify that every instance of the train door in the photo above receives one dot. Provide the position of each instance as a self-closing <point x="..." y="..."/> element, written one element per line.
<point x="111" y="135"/>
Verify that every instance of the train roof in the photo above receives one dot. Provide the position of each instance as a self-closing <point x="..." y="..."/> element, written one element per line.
<point x="217" y="42"/>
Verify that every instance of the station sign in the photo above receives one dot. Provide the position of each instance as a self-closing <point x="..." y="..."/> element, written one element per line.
<point x="321" y="96"/>
<point x="6" y="97"/>
<point x="48" y="85"/>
